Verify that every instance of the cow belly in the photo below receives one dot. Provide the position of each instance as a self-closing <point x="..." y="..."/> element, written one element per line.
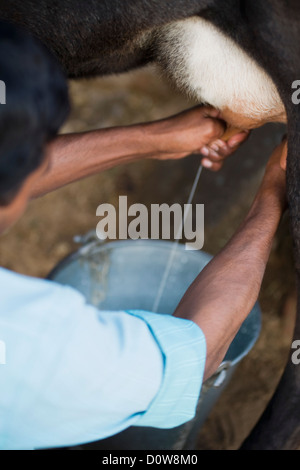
<point x="212" y="69"/>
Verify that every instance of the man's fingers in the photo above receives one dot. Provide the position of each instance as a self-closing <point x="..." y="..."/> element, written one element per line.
<point x="216" y="151"/>
<point x="212" y="130"/>
<point x="212" y="154"/>
<point x="237" y="139"/>
<point x="210" y="165"/>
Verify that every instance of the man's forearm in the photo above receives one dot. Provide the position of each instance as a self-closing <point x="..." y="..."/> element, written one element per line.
<point x="76" y="156"/>
<point x="224" y="293"/>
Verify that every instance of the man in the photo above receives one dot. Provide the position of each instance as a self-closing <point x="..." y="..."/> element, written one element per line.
<point x="74" y="374"/>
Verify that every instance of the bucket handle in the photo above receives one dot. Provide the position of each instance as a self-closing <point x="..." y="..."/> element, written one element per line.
<point x="87" y="238"/>
<point x="218" y="378"/>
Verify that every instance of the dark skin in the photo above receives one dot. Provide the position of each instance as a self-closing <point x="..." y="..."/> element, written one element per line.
<point x="71" y="157"/>
<point x="226" y="290"/>
<point x="199" y="130"/>
<point x="238" y="268"/>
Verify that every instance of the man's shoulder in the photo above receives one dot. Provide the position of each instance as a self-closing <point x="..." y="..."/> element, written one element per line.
<point x="19" y="291"/>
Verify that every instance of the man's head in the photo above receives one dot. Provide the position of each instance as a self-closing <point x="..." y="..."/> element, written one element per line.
<point x="36" y="106"/>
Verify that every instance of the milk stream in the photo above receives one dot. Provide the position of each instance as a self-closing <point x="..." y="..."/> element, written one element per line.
<point x="175" y="245"/>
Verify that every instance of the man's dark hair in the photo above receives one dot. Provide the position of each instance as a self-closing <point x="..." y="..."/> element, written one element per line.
<point x="36" y="106"/>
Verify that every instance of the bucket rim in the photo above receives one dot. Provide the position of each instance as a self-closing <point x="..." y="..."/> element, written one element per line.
<point x="103" y="245"/>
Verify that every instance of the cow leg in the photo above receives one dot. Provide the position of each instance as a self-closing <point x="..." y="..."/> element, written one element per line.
<point x="279" y="426"/>
<point x="277" y="37"/>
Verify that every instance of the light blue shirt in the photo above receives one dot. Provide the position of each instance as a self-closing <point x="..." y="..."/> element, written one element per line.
<point x="74" y="374"/>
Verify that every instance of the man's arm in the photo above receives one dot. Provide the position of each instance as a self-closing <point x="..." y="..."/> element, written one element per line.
<point x="76" y="156"/>
<point x="224" y="293"/>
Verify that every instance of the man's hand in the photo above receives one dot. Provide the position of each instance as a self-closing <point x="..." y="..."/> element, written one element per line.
<point x="216" y="152"/>
<point x="274" y="180"/>
<point x="76" y="156"/>
<point x="277" y="161"/>
<point x="198" y="130"/>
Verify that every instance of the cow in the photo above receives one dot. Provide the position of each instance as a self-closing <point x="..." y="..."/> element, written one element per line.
<point x="241" y="56"/>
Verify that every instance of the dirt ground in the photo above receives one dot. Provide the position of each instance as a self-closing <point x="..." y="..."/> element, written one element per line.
<point x="45" y="234"/>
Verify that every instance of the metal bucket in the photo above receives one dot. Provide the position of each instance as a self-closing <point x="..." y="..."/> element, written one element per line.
<point x="126" y="275"/>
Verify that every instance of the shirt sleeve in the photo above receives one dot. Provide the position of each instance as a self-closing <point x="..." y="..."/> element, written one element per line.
<point x="183" y="346"/>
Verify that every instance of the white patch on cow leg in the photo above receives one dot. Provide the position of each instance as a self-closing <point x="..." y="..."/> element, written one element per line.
<point x="211" y="68"/>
